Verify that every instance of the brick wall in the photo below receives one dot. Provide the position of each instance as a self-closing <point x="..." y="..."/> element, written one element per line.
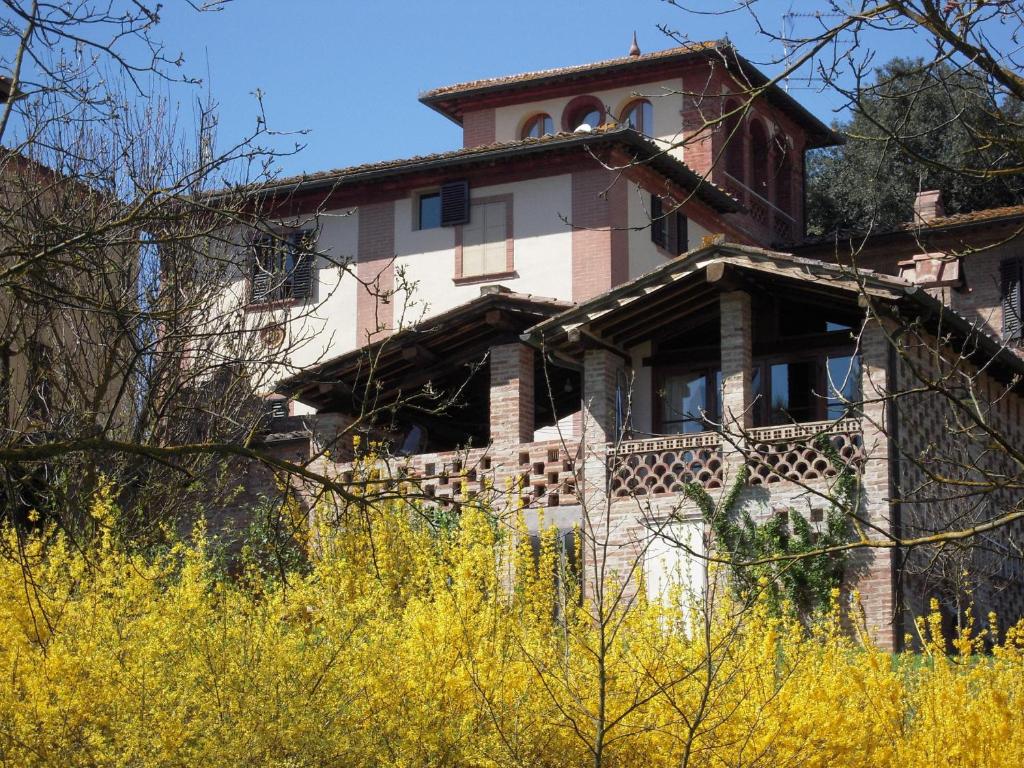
<point x="478" y="128"/>
<point x="600" y="249"/>
<point x="934" y="437"/>
<point x="512" y="393"/>
<point x="872" y="570"/>
<point x="375" y="268"/>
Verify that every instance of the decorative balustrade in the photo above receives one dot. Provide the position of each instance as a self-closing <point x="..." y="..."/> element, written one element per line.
<point x="665" y="465"/>
<point x="538" y="474"/>
<point x="788" y="452"/>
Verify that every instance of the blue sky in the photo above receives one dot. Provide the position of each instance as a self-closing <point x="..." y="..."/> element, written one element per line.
<point x="349" y="73"/>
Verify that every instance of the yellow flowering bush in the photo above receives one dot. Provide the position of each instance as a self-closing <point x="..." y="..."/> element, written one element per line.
<point x="403" y="646"/>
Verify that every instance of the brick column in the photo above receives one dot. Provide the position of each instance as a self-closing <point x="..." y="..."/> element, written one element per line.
<point x="737" y="393"/>
<point x="606" y="529"/>
<point x="874" y="568"/>
<point x="511" y="403"/>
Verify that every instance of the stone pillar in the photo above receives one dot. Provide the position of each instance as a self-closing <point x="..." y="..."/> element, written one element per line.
<point x="511" y="401"/>
<point x="737" y="392"/>
<point x="875" y="568"/>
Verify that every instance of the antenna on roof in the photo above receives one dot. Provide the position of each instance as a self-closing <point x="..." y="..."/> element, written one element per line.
<point x="634" y="49"/>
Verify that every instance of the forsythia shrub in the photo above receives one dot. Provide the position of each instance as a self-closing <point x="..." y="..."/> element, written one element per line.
<point x="405" y="646"/>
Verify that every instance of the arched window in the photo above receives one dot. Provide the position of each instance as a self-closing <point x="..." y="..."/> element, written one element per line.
<point x="582" y="109"/>
<point x="639" y="115"/>
<point x="537" y="126"/>
<point x="760" y="161"/>
<point x="784" y="179"/>
<point x="732" y="128"/>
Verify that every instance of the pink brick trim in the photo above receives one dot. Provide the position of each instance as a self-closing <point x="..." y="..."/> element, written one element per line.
<point x="600" y="240"/>
<point x="478" y="128"/>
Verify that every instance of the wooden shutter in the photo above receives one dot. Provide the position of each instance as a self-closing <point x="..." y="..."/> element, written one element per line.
<point x="1010" y="291"/>
<point x="302" y="275"/>
<point x="680" y="233"/>
<point x="659" y="226"/>
<point x="261" y="273"/>
<point x="454" y="203"/>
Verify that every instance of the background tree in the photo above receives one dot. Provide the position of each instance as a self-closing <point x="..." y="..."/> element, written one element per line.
<point x="947" y="123"/>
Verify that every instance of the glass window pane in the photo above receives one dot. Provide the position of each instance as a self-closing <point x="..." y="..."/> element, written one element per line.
<point x="430" y="211"/>
<point x="684" y="403"/>
<point x="843" y="384"/>
<point x="793" y="396"/>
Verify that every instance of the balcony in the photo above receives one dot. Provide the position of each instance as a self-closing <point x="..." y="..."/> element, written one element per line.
<point x="665" y="465"/>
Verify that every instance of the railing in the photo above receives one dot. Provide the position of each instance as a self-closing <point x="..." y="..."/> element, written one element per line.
<point x="538" y="474"/>
<point x="665" y="465"/>
<point x="787" y="452"/>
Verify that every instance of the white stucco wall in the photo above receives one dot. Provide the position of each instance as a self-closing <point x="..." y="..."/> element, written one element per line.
<point x="664" y="95"/>
<point x="542" y="250"/>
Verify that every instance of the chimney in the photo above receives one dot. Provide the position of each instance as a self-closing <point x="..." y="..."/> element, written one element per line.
<point x="928" y="206"/>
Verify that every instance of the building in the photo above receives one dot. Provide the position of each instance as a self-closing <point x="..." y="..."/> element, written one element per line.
<point x="611" y="275"/>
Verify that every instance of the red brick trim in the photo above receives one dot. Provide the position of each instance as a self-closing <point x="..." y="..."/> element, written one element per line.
<point x="591" y="243"/>
<point x="510" y="267"/>
<point x="375" y="267"/>
<point x="479" y="127"/>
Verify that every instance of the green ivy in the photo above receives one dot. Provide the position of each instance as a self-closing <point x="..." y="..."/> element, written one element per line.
<point x="803" y="585"/>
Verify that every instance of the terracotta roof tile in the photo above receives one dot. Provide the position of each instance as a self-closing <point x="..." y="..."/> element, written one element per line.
<point x="985" y="214"/>
<point x="416" y="160"/>
<point x="541" y="74"/>
<point x="610" y="132"/>
<point x="942" y="222"/>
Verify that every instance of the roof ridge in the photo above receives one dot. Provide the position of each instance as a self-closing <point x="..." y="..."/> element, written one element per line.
<point x="689" y="47"/>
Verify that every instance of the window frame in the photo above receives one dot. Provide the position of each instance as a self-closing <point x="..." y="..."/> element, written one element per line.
<point x="579" y="106"/>
<point x="287" y="244"/>
<point x="531" y="122"/>
<point x="761" y="407"/>
<point x="665" y="228"/>
<point x="460" y="277"/>
<point x="711" y="374"/>
<point x="419" y="197"/>
<point x="631" y="106"/>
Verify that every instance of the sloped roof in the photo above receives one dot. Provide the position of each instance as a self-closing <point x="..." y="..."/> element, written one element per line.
<point x="428" y="350"/>
<point x="447" y="99"/>
<point x="642" y="148"/>
<point x="953" y="221"/>
<point x="625" y="315"/>
<point x="473" y="86"/>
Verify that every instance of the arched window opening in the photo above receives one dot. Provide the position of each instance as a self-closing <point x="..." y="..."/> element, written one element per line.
<point x="759" y="159"/>
<point x="784" y="180"/>
<point x="537" y="126"/>
<point x="639" y="115"/>
<point x="583" y="109"/>
<point x="733" y="136"/>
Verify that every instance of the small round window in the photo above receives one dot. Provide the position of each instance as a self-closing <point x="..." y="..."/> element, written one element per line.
<point x="537" y="126"/>
<point x="639" y="115"/>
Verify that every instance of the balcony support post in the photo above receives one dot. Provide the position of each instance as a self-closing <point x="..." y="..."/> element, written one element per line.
<point x="877" y="567"/>
<point x="737" y="366"/>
